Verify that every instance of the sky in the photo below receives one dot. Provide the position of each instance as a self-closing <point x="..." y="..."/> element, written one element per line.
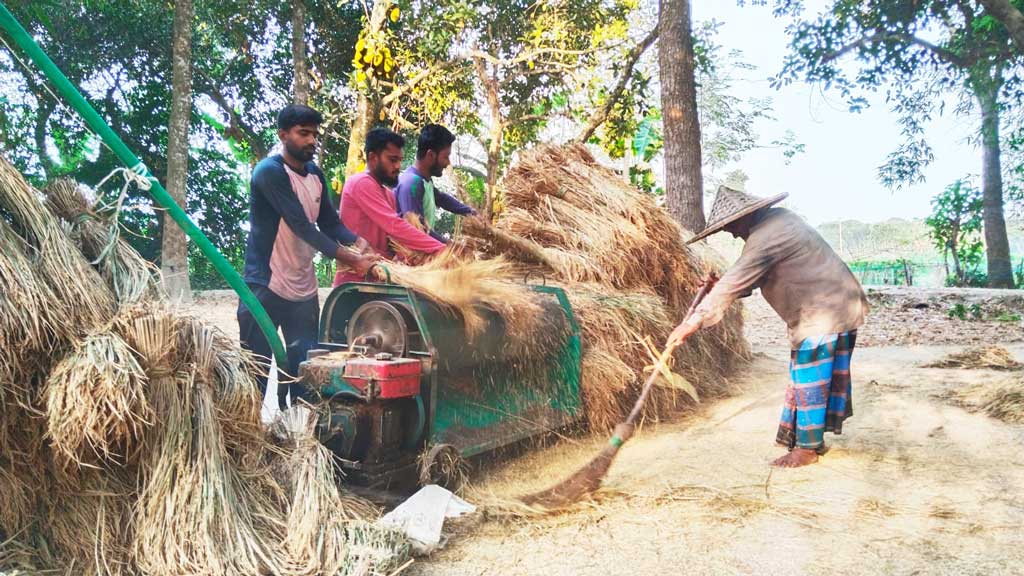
<point x="836" y="177"/>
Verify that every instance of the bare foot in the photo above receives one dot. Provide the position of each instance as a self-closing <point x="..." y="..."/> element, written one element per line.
<point x="797" y="458"/>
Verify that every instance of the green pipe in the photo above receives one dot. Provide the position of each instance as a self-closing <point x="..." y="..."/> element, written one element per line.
<point x="99" y="126"/>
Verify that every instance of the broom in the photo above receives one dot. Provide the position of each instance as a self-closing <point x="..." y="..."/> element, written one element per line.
<point x="587" y="479"/>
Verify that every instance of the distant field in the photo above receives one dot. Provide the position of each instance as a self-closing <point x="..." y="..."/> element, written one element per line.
<point x="873" y="250"/>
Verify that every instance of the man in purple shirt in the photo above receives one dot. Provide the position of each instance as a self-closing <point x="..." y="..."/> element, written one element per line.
<point x="416" y="193"/>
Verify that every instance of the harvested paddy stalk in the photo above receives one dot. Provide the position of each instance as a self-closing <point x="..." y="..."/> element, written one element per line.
<point x="623" y="264"/>
<point x="24" y="317"/>
<point x="327" y="529"/>
<point x="130" y="435"/>
<point x="88" y="522"/>
<point x="979" y="357"/>
<point x="131" y="277"/>
<point x="96" y="400"/>
<point x="466" y="287"/>
<point x="77" y="295"/>
<point x="197" y="513"/>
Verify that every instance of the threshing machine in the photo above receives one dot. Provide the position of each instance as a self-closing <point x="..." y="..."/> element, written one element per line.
<point x="406" y="386"/>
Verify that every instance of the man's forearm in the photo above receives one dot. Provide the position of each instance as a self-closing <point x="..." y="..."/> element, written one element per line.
<point x="346" y="255"/>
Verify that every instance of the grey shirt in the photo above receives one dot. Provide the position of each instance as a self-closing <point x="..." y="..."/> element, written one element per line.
<point x="798" y="273"/>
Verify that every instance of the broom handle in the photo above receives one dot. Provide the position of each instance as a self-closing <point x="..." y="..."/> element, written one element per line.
<point x="667" y="353"/>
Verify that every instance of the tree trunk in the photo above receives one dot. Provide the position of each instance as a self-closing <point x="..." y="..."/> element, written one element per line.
<point x="684" y="185"/>
<point x="1011" y="18"/>
<point x="497" y="132"/>
<point x="366" y="113"/>
<point x="46" y="106"/>
<point x="300" y="89"/>
<point x="368" y="104"/>
<point x="493" y="166"/>
<point x="958" y="272"/>
<point x="174" y="244"/>
<point x="997" y="245"/>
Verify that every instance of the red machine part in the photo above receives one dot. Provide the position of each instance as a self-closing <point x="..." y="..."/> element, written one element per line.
<point x="384" y="377"/>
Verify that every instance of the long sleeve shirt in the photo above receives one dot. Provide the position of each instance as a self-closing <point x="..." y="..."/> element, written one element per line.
<point x="800" y="276"/>
<point x="409" y="194"/>
<point x="290" y="219"/>
<point x="369" y="209"/>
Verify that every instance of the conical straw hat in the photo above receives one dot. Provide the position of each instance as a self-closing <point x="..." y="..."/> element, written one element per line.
<point x="731" y="205"/>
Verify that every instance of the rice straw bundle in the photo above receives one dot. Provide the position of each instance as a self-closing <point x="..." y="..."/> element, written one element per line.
<point x="196" y="513"/>
<point x="232" y="526"/>
<point x="221" y="365"/>
<point x="625" y="268"/>
<point x="19" y="484"/>
<point x="603" y="381"/>
<point x="320" y="514"/>
<point x="131" y="277"/>
<point x="156" y="548"/>
<point x="160" y="411"/>
<point x="464" y="287"/>
<point x="19" y="558"/>
<point x="24" y="317"/>
<point x="978" y="357"/>
<point x="79" y="298"/>
<point x="151" y="330"/>
<point x="1003" y="400"/>
<point x="90" y="523"/>
<point x="95" y="398"/>
<point x="23" y="458"/>
<point x="374" y="550"/>
<point x="615" y="357"/>
<point x="611" y="233"/>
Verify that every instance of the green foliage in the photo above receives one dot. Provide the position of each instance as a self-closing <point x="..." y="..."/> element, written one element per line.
<point x="955" y="225"/>
<point x="975" y="312"/>
<point x="476" y="190"/>
<point x="961" y="312"/>
<point x="917" y="52"/>
<point x="1005" y="316"/>
<point x="119" y="54"/>
<point x="324" y="272"/>
<point x="728" y="123"/>
<point x="550" y="60"/>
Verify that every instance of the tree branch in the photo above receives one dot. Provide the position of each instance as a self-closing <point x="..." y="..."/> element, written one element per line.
<point x="601" y="115"/>
<point x="529" y="118"/>
<point x="878" y="37"/>
<point x="237" y="128"/>
<point x="397" y="91"/>
<point x="1010" y="17"/>
<point x="535" y="54"/>
<point x="471" y="171"/>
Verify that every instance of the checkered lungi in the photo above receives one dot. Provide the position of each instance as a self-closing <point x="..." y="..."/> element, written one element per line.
<point x="818" y="398"/>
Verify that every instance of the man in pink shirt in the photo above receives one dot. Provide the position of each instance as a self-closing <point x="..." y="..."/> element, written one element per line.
<point x="370" y="210"/>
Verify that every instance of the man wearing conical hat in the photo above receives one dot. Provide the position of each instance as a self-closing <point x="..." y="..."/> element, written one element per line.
<point x="811" y="288"/>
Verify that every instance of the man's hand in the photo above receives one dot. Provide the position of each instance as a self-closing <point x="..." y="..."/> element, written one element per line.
<point x="682" y="332"/>
<point x="479" y="219"/>
<point x="363" y="246"/>
<point x="359" y="262"/>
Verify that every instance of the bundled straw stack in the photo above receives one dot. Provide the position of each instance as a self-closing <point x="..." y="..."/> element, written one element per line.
<point x="623" y="262"/>
<point x="130" y="436"/>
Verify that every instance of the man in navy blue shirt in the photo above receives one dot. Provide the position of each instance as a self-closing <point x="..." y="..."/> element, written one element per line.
<point x="416" y="193"/>
<point x="291" y="219"/>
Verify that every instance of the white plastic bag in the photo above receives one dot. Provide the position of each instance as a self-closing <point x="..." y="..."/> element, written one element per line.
<point x="422" y="516"/>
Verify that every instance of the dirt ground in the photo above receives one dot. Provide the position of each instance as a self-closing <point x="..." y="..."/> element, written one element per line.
<point x="915" y="485"/>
